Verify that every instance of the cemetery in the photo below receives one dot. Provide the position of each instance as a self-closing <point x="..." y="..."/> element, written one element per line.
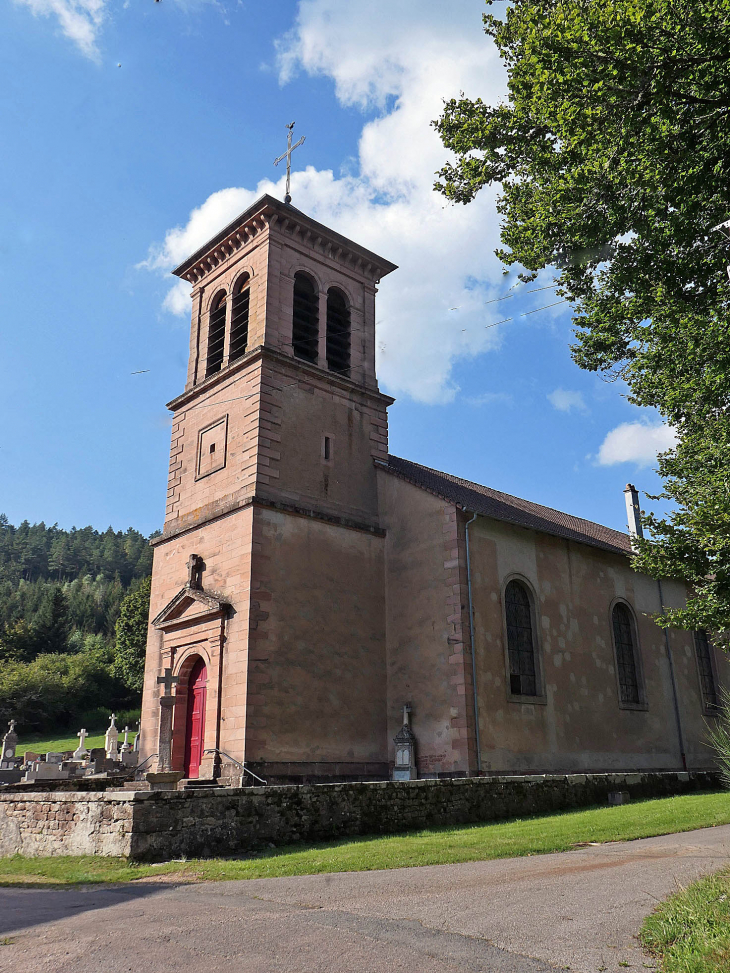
<point x="101" y="802"/>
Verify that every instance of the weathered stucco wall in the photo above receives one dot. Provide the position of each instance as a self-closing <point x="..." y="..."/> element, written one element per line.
<point x="162" y="825"/>
<point x="578" y="723"/>
<point x="429" y="661"/>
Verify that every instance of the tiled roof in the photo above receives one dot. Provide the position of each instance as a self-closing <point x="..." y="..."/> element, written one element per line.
<point x="501" y="506"/>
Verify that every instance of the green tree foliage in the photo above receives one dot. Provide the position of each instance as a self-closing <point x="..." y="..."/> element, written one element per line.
<point x="131" y="636"/>
<point x="613" y="154"/>
<point x="55" y="690"/>
<point x="61" y="594"/>
<point x="53" y="622"/>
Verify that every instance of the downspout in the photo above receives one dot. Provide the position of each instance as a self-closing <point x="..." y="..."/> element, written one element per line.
<point x="473" y="651"/>
<point x="633" y="511"/>
<point x="673" y="679"/>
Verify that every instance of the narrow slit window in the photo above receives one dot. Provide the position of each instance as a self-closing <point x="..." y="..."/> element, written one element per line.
<point x="216" y="335"/>
<point x="520" y="640"/>
<point x="625" y="641"/>
<point x="239" y="321"/>
<point x="327" y="448"/>
<point x="338" y="332"/>
<point x="305" y="324"/>
<point x="708" y="685"/>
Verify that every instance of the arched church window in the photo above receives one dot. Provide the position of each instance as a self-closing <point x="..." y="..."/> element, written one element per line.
<point x="305" y="324"/>
<point x="520" y="640"/>
<point x="216" y="334"/>
<point x="338" y="332"/>
<point x="239" y="319"/>
<point x="708" y="685"/>
<point x="624" y="637"/>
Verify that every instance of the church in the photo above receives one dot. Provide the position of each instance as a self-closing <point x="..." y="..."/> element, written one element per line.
<point x="315" y="599"/>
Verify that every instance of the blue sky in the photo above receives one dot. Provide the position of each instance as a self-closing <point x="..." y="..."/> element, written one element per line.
<point x="132" y="132"/>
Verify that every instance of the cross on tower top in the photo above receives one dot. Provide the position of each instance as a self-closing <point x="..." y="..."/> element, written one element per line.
<point x="287" y="155"/>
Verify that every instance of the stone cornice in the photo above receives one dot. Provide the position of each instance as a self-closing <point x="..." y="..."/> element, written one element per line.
<point x="268" y="213"/>
<point x="317" y="376"/>
<point x="257" y="501"/>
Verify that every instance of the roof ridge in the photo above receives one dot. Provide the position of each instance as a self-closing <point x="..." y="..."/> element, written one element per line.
<point x="558" y="518"/>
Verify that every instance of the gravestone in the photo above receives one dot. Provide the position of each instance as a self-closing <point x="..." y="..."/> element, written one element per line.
<point x="81" y="752"/>
<point x="125" y="747"/>
<point x="111" y="739"/>
<point x="54" y="758"/>
<point x="10" y="748"/>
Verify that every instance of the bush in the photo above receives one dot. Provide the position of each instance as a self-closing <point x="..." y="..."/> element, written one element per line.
<point x="720" y="738"/>
<point x="54" y="689"/>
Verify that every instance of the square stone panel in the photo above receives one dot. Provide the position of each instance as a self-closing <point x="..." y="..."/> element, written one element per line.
<point x="212" y="446"/>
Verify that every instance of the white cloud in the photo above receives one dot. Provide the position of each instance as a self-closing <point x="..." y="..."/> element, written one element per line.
<point x="636" y="442"/>
<point x="80" y="20"/>
<point x="429" y="51"/>
<point x="565" y="401"/>
<point x="177" y="299"/>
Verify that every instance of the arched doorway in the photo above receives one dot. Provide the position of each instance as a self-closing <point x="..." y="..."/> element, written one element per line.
<point x="195" y="720"/>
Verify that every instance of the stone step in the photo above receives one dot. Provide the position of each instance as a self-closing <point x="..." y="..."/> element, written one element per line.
<point x="195" y="783"/>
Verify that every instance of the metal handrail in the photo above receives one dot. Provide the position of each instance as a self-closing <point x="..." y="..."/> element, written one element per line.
<point x="146" y="759"/>
<point x="238" y="763"/>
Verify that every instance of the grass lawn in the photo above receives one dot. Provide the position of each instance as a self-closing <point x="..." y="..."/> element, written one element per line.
<point x="528" y="836"/>
<point x="690" y="932"/>
<point x="48" y="745"/>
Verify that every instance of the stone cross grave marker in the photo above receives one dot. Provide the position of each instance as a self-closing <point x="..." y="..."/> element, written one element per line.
<point x="111" y="739"/>
<point x="80" y="752"/>
<point x="10" y="747"/>
<point x="167" y="702"/>
<point x="125" y="747"/>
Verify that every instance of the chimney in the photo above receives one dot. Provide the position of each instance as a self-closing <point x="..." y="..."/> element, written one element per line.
<point x="633" y="511"/>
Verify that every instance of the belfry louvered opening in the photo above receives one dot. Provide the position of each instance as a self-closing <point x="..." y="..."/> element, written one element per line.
<point x="239" y="319"/>
<point x="216" y="334"/>
<point x="305" y="323"/>
<point x="520" y="640"/>
<point x="338" y="332"/>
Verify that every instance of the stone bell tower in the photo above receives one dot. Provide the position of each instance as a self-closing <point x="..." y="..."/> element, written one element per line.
<point x="277" y="639"/>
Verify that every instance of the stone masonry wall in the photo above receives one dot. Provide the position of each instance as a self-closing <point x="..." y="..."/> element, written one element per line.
<point x="151" y="826"/>
<point x="70" y="823"/>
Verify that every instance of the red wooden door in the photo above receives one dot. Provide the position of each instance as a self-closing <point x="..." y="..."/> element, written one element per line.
<point x="195" y="723"/>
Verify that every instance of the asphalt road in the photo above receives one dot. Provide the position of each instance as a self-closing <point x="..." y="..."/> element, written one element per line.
<point x="579" y="910"/>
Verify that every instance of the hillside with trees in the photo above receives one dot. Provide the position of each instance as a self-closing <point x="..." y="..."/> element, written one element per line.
<point x="62" y="593"/>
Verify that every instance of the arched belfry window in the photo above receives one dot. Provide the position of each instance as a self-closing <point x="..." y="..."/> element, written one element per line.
<point x="338" y="332"/>
<point x="708" y="686"/>
<point x="624" y="638"/>
<point x="239" y="319"/>
<point x="520" y="640"/>
<point x="216" y="334"/>
<point x="305" y="323"/>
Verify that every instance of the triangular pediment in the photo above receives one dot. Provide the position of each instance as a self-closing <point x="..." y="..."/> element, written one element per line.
<point x="189" y="605"/>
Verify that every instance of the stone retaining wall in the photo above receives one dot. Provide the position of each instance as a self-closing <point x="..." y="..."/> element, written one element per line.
<point x="65" y="823"/>
<point x="152" y="826"/>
